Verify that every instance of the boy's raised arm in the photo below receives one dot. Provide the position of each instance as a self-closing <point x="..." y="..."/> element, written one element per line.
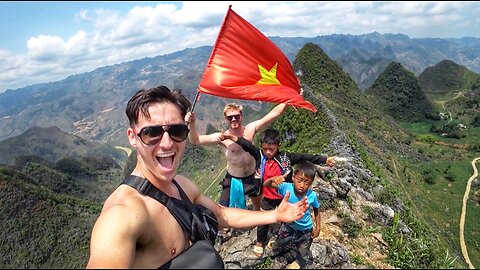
<point x="275" y="181"/>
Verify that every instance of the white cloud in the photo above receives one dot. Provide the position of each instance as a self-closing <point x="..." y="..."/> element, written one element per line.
<point x="147" y="31"/>
<point x="83" y="15"/>
<point x="45" y="48"/>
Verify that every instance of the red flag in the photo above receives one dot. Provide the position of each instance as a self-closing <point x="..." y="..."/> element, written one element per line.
<point x="245" y="64"/>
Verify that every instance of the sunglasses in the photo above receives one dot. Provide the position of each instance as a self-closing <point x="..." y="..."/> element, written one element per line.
<point x="236" y="116"/>
<point x="151" y="135"/>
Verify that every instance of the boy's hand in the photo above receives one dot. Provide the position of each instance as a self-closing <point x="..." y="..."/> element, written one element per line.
<point x="226" y="136"/>
<point x="331" y="161"/>
<point x="277" y="180"/>
<point x="222" y="136"/>
<point x="316" y="232"/>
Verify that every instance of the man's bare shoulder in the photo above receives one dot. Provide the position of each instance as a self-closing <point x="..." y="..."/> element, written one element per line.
<point x="126" y="203"/>
<point x="122" y="224"/>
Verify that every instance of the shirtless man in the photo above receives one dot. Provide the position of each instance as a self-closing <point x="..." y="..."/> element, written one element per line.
<point x="240" y="164"/>
<point x="135" y="230"/>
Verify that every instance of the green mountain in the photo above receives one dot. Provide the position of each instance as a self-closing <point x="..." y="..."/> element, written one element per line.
<point x="448" y="76"/>
<point x="399" y="94"/>
<point x="48" y="213"/>
<point x="355" y="113"/>
<point x="52" y="144"/>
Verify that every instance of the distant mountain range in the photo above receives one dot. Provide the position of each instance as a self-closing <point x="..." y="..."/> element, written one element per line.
<point x="92" y="104"/>
<point x="364" y="57"/>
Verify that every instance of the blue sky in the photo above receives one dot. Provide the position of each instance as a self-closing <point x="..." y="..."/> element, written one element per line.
<point x="48" y="41"/>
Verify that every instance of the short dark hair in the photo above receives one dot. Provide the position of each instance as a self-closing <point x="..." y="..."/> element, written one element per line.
<point x="142" y="99"/>
<point x="271" y="136"/>
<point x="307" y="167"/>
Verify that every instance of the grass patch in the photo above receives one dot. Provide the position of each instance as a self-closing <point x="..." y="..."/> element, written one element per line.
<point x="440" y="200"/>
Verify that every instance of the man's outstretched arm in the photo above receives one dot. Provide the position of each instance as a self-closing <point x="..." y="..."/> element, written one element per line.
<point x="267" y="120"/>
<point x="193" y="135"/>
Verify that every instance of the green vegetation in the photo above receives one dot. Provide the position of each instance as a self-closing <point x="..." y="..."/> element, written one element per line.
<point x="439" y="193"/>
<point x="415" y="251"/>
<point x="303" y="131"/>
<point x="400" y="95"/>
<point x="351" y="227"/>
<point x="267" y="264"/>
<point x="448" y="76"/>
<point x="384" y="148"/>
<point x="58" y="236"/>
<point x="200" y="168"/>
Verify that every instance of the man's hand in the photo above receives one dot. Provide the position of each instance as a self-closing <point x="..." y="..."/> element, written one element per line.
<point x="226" y="136"/>
<point x="190" y="118"/>
<point x="287" y="212"/>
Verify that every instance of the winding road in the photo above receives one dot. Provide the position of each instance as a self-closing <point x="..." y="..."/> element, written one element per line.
<point x="464" y="213"/>
<point x="443" y="105"/>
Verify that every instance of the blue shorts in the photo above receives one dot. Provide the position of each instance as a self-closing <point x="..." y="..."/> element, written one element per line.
<point x="252" y="187"/>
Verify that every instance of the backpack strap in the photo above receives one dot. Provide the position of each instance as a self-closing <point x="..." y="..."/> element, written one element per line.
<point x="144" y="187"/>
<point x="202" y="225"/>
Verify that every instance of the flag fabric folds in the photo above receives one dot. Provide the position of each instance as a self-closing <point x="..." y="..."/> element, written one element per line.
<point x="245" y="64"/>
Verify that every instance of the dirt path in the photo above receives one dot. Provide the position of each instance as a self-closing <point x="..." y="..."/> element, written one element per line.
<point x="215" y="179"/>
<point x="464" y="213"/>
<point x="443" y="105"/>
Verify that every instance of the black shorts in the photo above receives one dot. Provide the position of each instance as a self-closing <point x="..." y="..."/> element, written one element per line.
<point x="252" y="187"/>
<point x="270" y="204"/>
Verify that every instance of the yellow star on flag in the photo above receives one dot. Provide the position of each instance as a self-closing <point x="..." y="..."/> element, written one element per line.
<point x="268" y="77"/>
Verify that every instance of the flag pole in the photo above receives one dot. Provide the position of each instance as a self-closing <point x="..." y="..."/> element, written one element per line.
<point x="195" y="101"/>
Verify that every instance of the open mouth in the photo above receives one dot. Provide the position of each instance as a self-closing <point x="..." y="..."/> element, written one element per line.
<point x="166" y="160"/>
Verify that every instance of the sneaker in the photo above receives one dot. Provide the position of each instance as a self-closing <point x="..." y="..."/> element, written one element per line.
<point x="293" y="265"/>
<point x="258" y="250"/>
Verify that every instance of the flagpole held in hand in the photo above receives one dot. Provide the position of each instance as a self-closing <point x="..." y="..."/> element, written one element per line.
<point x="197" y="97"/>
<point x="195" y="101"/>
